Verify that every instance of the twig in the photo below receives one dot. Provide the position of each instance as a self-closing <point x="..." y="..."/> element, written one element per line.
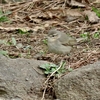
<point x="50" y="77"/>
<point x="44" y="92"/>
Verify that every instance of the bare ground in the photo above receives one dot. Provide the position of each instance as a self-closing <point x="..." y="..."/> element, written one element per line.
<point x="37" y="18"/>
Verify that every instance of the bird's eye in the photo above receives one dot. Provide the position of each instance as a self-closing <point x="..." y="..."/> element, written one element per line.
<point x="53" y="35"/>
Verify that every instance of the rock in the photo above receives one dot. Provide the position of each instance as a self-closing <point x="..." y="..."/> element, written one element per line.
<point x="80" y="84"/>
<point x="16" y="98"/>
<point x="20" y="79"/>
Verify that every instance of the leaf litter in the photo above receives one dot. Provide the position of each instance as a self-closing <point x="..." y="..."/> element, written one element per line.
<point x="35" y="18"/>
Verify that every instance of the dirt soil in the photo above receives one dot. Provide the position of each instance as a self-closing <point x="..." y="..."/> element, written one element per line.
<point x="25" y="33"/>
<point x="36" y="18"/>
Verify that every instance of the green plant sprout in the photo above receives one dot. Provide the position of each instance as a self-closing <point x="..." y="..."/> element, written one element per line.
<point x="50" y="68"/>
<point x="2" y="52"/>
<point x="85" y="35"/>
<point x="42" y="52"/>
<point x="96" y="35"/>
<point x="86" y="17"/>
<point x="22" y="31"/>
<point x="14" y="42"/>
<point x="45" y="41"/>
<point x="97" y="11"/>
<point x="3" y="16"/>
<point x="70" y="69"/>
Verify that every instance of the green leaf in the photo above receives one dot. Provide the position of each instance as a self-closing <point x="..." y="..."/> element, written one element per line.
<point x="3" y="16"/>
<point x="63" y="65"/>
<point x="1" y="12"/>
<point x="14" y="41"/>
<point x="96" y="35"/>
<point x="97" y="11"/>
<point x="53" y="69"/>
<point x="45" y="41"/>
<point x="59" y="72"/>
<point x="47" y="72"/>
<point x="85" y="35"/>
<point x="53" y="65"/>
<point x="70" y="69"/>
<point x="3" y="19"/>
<point x="44" y="66"/>
<point x="50" y="68"/>
<point x="2" y="52"/>
<point x="22" y="31"/>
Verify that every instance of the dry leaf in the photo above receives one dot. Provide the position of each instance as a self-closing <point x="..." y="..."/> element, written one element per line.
<point x="92" y="17"/>
<point x="75" y="3"/>
<point x="15" y="28"/>
<point x="73" y="15"/>
<point x="38" y="28"/>
<point x="50" y="14"/>
<point x="96" y="1"/>
<point x="73" y="12"/>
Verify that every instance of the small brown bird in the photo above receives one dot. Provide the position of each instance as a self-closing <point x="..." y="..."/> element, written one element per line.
<point x="55" y="46"/>
<point x="62" y="37"/>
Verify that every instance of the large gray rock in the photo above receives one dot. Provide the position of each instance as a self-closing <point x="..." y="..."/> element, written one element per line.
<point x="20" y="79"/>
<point x="80" y="84"/>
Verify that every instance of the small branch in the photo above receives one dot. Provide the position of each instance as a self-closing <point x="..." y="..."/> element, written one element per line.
<point x="50" y="77"/>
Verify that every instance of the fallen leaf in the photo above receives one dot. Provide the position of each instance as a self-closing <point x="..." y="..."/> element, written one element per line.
<point x="2" y="52"/>
<point x="92" y="17"/>
<point x="73" y="15"/>
<point x="96" y="1"/>
<point x="75" y="3"/>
